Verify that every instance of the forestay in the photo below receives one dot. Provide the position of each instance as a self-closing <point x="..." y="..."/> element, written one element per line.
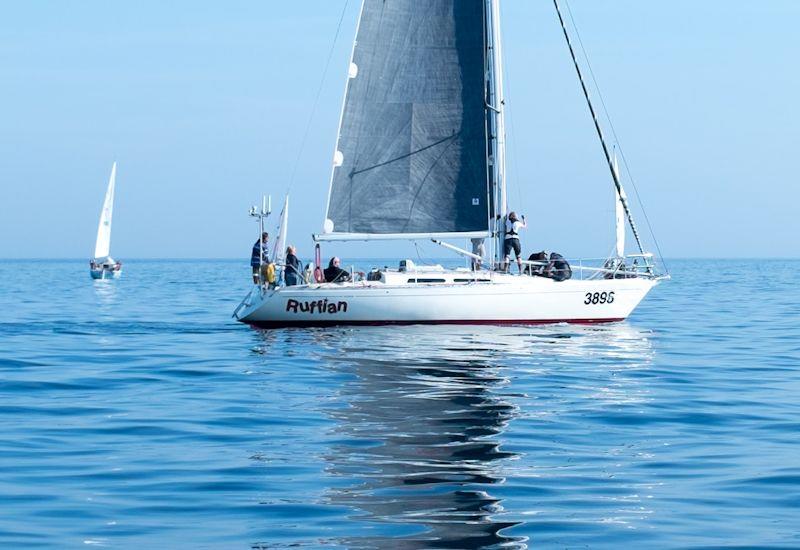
<point x="411" y="157"/>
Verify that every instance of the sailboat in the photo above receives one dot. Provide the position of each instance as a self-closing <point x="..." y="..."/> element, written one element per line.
<point x="421" y="155"/>
<point x="102" y="265"/>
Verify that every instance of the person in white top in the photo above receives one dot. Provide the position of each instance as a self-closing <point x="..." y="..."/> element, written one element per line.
<point x="513" y="225"/>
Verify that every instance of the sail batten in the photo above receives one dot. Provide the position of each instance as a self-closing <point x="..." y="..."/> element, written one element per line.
<point x="411" y="154"/>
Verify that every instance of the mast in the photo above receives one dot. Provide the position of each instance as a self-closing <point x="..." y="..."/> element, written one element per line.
<point x="266" y="210"/>
<point x="622" y="198"/>
<point x="497" y="108"/>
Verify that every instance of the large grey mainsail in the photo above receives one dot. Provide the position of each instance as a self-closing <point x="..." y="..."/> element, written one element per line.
<point x="412" y="151"/>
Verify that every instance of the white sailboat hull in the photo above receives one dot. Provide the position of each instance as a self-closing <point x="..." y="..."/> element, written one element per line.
<point x="504" y="300"/>
<point x="105" y="273"/>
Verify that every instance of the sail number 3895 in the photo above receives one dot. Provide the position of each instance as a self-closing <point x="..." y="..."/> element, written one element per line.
<point x="599" y="298"/>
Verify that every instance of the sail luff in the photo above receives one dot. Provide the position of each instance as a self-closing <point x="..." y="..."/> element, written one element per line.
<point x="411" y="153"/>
<point x="102" y="247"/>
<point x="350" y="76"/>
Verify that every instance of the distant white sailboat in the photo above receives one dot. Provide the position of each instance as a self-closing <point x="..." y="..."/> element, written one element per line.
<point x="103" y="266"/>
<point x="421" y="155"/>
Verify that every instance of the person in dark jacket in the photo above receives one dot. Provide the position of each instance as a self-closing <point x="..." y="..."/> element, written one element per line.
<point x="558" y="268"/>
<point x="334" y="273"/>
<point x="260" y="248"/>
<point x="293" y="272"/>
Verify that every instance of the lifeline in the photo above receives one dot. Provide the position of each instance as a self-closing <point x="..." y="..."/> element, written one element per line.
<point x="321" y="306"/>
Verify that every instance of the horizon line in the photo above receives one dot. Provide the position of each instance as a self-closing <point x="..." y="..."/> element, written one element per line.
<point x="445" y="258"/>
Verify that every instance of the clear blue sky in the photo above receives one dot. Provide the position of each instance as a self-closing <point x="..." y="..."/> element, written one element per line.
<point x="203" y="105"/>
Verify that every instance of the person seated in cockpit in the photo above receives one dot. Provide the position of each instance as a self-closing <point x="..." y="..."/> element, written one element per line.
<point x="334" y="273"/>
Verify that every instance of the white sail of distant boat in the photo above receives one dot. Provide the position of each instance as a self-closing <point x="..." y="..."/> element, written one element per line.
<point x="420" y="154"/>
<point x="102" y="247"/>
<point x="103" y="266"/>
<point x="619" y="214"/>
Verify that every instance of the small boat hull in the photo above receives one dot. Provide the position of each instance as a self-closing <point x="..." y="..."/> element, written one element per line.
<point x="504" y="300"/>
<point x="105" y="273"/>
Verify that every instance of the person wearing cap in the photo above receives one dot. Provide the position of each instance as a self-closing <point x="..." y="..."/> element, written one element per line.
<point x="513" y="225"/>
<point x="260" y="252"/>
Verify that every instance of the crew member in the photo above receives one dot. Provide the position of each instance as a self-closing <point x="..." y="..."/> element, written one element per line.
<point x="513" y="225"/>
<point x="292" y="273"/>
<point x="479" y="250"/>
<point x="334" y="273"/>
<point x="260" y="251"/>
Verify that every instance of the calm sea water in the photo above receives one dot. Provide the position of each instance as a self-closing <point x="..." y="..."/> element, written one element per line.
<point x="137" y="414"/>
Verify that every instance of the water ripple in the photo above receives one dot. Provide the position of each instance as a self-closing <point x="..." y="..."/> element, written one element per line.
<point x="137" y="414"/>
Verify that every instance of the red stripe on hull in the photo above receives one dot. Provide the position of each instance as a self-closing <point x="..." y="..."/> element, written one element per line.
<point x="308" y="324"/>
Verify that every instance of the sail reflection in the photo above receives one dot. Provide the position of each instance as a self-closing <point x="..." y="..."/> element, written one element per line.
<point x="419" y="453"/>
<point x="419" y="447"/>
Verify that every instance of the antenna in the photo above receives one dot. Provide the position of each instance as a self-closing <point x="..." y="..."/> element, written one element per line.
<point x="264" y="211"/>
<point x="261" y="215"/>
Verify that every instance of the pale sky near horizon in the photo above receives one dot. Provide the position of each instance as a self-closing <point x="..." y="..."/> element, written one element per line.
<point x="204" y="106"/>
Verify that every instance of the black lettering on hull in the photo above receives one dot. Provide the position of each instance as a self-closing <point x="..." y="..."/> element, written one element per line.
<point x="318" y="307"/>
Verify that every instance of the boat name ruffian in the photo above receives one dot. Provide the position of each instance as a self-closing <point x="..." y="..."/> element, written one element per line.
<point x="317" y="306"/>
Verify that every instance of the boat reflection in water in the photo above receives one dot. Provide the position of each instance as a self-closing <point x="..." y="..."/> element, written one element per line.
<point x="458" y="437"/>
<point x="419" y="445"/>
<point x="106" y="299"/>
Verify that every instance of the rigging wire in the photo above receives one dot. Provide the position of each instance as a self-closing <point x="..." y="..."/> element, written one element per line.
<point x="599" y="130"/>
<point x="316" y="99"/>
<point x="422" y="260"/>
<point x="616" y="138"/>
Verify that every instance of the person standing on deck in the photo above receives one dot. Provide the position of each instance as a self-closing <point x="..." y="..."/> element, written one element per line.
<point x="260" y="251"/>
<point x="513" y="225"/>
<point x="479" y="250"/>
<point x="293" y="272"/>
